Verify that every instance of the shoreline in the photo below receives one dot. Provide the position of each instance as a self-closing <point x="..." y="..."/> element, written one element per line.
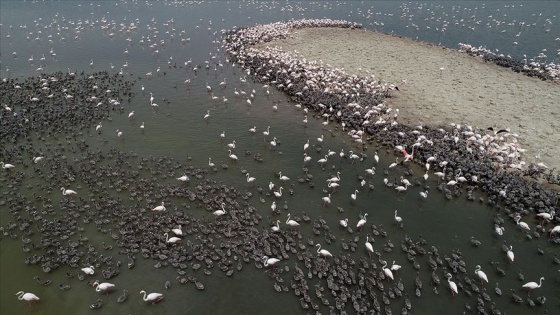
<point x="439" y="86"/>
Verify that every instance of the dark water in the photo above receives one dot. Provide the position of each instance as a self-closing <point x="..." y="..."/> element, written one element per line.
<point x="177" y="130"/>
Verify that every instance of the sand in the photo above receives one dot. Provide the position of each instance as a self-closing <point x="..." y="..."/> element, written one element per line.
<point x="439" y="86"/>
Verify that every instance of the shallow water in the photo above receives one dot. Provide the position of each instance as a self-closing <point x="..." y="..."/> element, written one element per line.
<point x="177" y="130"/>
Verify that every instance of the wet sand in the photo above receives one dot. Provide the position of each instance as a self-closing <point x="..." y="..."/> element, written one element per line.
<point x="439" y="86"/>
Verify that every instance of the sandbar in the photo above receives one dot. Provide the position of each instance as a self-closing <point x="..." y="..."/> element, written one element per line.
<point x="439" y="86"/>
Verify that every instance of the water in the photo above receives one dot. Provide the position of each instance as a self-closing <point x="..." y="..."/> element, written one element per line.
<point x="177" y="130"/>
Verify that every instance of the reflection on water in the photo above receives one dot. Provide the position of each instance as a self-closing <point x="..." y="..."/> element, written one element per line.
<point x="169" y="41"/>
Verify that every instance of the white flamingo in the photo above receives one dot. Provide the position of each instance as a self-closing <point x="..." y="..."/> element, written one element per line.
<point x="343" y="223"/>
<point x="397" y="218"/>
<point x="395" y="267"/>
<point x="183" y="178"/>
<point x="532" y="285"/>
<point x="291" y="223"/>
<point x="152" y="297"/>
<point x="29" y="297"/>
<point x="221" y="212"/>
<point x="270" y="261"/>
<point x="388" y="273"/>
<point x="283" y="177"/>
<point x="171" y="240"/>
<point x="250" y="179"/>
<point x="232" y="156"/>
<point x="278" y="193"/>
<point x="481" y="275"/>
<point x="160" y="207"/>
<point x="276" y="228"/>
<point x="326" y="200"/>
<point x="103" y="287"/>
<point x="510" y="253"/>
<point x="88" y="270"/>
<point x="362" y="222"/>
<point x="452" y="285"/>
<point x="178" y="231"/>
<point x="323" y="252"/>
<point x="524" y="226"/>
<point x="67" y="192"/>
<point x="354" y="195"/>
<point x="369" y="247"/>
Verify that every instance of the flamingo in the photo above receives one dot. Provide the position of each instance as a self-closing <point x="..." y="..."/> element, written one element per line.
<point x="394" y="163"/>
<point x="395" y="267"/>
<point x="335" y="178"/>
<point x="424" y="194"/>
<point x="207" y="115"/>
<point x="405" y="181"/>
<point x="270" y="185"/>
<point x="183" y="178"/>
<point x="306" y="146"/>
<point x="401" y="188"/>
<point x="397" y="218"/>
<point x="103" y="287"/>
<point x="283" y="178"/>
<point x="231" y="145"/>
<point x="89" y="270"/>
<point x="323" y="252"/>
<point x="554" y="230"/>
<point x="354" y="195"/>
<point x="320" y="139"/>
<point x="131" y="114"/>
<point x="29" y="297"/>
<point x="37" y="159"/>
<point x="152" y="297"/>
<point x="388" y="273"/>
<point x="452" y="285"/>
<point x="546" y="216"/>
<point x="178" y="231"/>
<point x="291" y="223"/>
<point x="278" y="193"/>
<point x="376" y="157"/>
<point x="481" y="275"/>
<point x="232" y="156"/>
<point x="326" y="200"/>
<point x="219" y="213"/>
<point x="66" y="192"/>
<point x="273" y="206"/>
<point x="362" y="222"/>
<point x="524" y="226"/>
<point x="370" y="171"/>
<point x="267" y="132"/>
<point x="160" y="207"/>
<point x="323" y="160"/>
<point x="253" y="130"/>
<point x="306" y="158"/>
<point x="369" y="247"/>
<point x="210" y="162"/>
<point x="250" y="179"/>
<point x="276" y="228"/>
<point x="98" y="127"/>
<point x="172" y="240"/>
<point x="499" y="230"/>
<point x="273" y="143"/>
<point x="343" y="223"/>
<point x="269" y="261"/>
<point x="532" y="285"/>
<point x="332" y="185"/>
<point x="119" y="133"/>
<point x="142" y="125"/>
<point x="510" y="253"/>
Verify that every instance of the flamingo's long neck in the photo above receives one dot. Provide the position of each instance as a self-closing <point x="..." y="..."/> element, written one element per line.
<point x="318" y="249"/>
